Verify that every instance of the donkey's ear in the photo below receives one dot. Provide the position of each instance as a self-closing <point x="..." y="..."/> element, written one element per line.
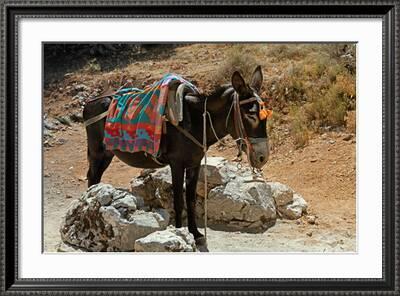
<point x="257" y="79"/>
<point x="238" y="83"/>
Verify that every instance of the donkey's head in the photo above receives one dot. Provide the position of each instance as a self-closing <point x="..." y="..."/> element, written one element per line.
<point x="252" y="124"/>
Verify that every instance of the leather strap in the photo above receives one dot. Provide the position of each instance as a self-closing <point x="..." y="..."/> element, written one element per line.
<point x="252" y="99"/>
<point x="238" y="122"/>
<point x="95" y="119"/>
<point x="189" y="136"/>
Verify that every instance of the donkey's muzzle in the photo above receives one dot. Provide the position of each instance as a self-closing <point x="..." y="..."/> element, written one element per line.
<point x="259" y="152"/>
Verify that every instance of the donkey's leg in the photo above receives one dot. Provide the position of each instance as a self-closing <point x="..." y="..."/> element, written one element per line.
<point x="192" y="175"/>
<point x="99" y="158"/>
<point x="177" y="172"/>
<point x="98" y="164"/>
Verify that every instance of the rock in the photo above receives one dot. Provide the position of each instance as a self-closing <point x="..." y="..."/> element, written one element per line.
<point x="170" y="240"/>
<point x="66" y="248"/>
<point x="47" y="134"/>
<point x="311" y="219"/>
<point x="109" y="219"/>
<point x="282" y="194"/>
<point x="103" y="194"/>
<point x="64" y="120"/>
<point x="219" y="172"/>
<point x="60" y="141"/>
<point x="126" y="202"/>
<point x="78" y="89"/>
<point x="82" y="179"/>
<point x="347" y="137"/>
<point x="81" y="96"/>
<point x="248" y="205"/>
<point x="76" y="116"/>
<point x="295" y="209"/>
<point x="155" y="187"/>
<point x="332" y="141"/>
<point x="47" y="124"/>
<point x="235" y="198"/>
<point x="129" y="227"/>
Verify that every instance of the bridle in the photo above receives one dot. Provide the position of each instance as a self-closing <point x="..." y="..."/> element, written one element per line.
<point x="242" y="136"/>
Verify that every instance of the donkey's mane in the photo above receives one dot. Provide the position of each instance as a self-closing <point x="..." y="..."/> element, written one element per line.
<point x="213" y="96"/>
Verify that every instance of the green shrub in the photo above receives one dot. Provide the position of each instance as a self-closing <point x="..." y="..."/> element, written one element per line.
<point x="328" y="110"/>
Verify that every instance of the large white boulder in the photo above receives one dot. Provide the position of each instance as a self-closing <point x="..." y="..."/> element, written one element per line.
<point x="294" y="209"/>
<point x="219" y="172"/>
<point x="155" y="188"/>
<point x="242" y="203"/>
<point x="109" y="219"/>
<point x="170" y="240"/>
<point x="282" y="193"/>
<point x="235" y="198"/>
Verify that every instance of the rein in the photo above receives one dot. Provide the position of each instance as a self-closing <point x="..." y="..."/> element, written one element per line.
<point x="264" y="113"/>
<point x="238" y="123"/>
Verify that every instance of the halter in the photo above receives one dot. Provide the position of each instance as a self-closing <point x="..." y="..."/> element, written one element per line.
<point x="264" y="113"/>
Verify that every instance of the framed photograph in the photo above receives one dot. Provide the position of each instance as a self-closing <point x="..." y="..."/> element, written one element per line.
<point x="199" y="148"/>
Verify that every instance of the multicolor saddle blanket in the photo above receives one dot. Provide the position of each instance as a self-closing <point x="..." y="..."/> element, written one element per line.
<point x="135" y="117"/>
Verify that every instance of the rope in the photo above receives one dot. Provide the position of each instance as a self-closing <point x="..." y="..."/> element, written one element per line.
<point x="205" y="166"/>
<point x="213" y="130"/>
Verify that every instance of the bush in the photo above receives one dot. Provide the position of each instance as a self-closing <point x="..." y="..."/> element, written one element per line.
<point x="274" y="136"/>
<point x="288" y="51"/>
<point x="238" y="58"/>
<point x="298" y="127"/>
<point x="351" y="121"/>
<point x="326" y="111"/>
<point x="331" y="106"/>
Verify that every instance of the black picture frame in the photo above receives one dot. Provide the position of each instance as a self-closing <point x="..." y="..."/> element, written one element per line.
<point x="11" y="11"/>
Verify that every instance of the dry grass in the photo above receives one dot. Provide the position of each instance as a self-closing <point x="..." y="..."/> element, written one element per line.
<point x="274" y="135"/>
<point x="312" y="84"/>
<point x="240" y="58"/>
<point x="298" y="127"/>
<point x="351" y="121"/>
<point x="315" y="86"/>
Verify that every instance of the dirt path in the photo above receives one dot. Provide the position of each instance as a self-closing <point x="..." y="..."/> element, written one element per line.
<point x="323" y="172"/>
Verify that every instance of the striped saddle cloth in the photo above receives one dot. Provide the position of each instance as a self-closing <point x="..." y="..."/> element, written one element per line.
<point x="135" y="117"/>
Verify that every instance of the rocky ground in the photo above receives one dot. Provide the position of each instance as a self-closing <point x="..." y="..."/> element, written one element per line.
<point x="323" y="172"/>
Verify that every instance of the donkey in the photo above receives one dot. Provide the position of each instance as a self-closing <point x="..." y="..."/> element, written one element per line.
<point x="233" y="109"/>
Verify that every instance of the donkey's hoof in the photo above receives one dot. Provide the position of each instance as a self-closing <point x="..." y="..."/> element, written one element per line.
<point x="201" y="244"/>
<point x="201" y="240"/>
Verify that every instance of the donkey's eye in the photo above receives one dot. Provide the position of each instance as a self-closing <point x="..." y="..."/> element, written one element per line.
<point x="252" y="119"/>
<point x="253" y="109"/>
